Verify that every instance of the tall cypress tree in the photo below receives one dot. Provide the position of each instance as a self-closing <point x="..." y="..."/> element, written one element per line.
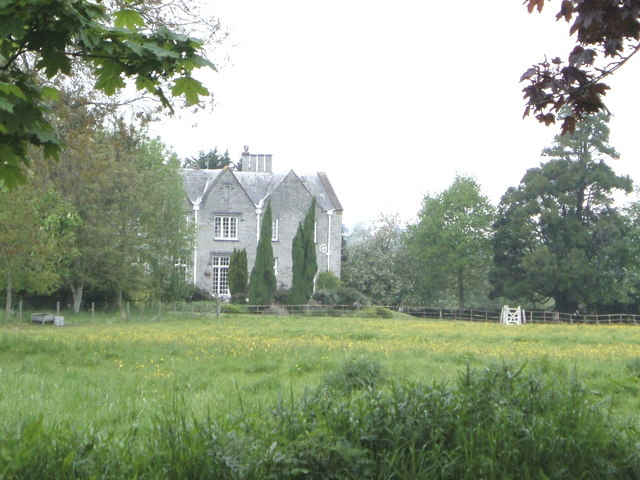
<point x="262" y="284"/>
<point x="238" y="276"/>
<point x="304" y="260"/>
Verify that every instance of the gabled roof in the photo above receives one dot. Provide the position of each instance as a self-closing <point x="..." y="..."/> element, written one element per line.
<point x="259" y="185"/>
<point x="196" y="182"/>
<point x="319" y="186"/>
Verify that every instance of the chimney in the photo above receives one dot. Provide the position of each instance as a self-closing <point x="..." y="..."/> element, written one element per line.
<point x="256" y="162"/>
<point x="246" y="167"/>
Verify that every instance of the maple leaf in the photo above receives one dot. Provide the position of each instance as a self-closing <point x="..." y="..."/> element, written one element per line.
<point x="566" y="10"/>
<point x="547" y="118"/>
<point x="532" y="4"/>
<point x="129" y="19"/>
<point x="580" y="56"/>
<point x="190" y="87"/>
<point x="528" y="74"/>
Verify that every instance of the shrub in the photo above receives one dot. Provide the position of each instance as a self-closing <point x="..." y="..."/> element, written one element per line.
<point x="341" y="296"/>
<point x="199" y="295"/>
<point x="280" y="296"/>
<point x="633" y="366"/>
<point x="356" y="373"/>
<point x="375" y="312"/>
<point x="233" y="308"/>
<point x="327" y="281"/>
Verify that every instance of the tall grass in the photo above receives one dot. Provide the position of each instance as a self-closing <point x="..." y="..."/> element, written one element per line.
<point x="499" y="422"/>
<point x="298" y="397"/>
<point x="113" y="372"/>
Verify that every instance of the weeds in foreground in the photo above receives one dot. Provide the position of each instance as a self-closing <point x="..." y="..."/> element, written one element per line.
<point x="501" y="422"/>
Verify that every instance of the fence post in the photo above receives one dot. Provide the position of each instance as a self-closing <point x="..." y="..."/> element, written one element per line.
<point x="159" y="308"/>
<point x="217" y="306"/>
<point x="20" y="309"/>
<point x="93" y="311"/>
<point x="128" y="310"/>
<point x="57" y="308"/>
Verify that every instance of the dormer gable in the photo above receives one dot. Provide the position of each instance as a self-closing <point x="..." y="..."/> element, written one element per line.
<point x="290" y="192"/>
<point x="225" y="190"/>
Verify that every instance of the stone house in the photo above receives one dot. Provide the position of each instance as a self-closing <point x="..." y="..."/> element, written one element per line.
<point x="226" y="207"/>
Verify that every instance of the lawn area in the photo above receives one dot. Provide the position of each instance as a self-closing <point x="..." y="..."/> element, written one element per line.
<point x="110" y="373"/>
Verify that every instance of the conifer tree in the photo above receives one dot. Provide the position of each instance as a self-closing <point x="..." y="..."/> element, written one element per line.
<point x="238" y="276"/>
<point x="304" y="260"/>
<point x="262" y="284"/>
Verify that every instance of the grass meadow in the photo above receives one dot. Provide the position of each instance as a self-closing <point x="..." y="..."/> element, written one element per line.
<point x="106" y="378"/>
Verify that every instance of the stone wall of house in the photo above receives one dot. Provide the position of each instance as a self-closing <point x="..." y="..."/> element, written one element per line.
<point x="226" y="197"/>
<point x="329" y="238"/>
<point x="290" y="201"/>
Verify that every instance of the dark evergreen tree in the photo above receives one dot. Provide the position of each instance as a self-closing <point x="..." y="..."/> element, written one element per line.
<point x="304" y="260"/>
<point x="558" y="235"/>
<point x="238" y="276"/>
<point x="210" y="160"/>
<point x="262" y="284"/>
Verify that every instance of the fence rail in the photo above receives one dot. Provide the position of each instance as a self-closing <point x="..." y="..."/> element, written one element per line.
<point x="532" y="316"/>
<point x="209" y="307"/>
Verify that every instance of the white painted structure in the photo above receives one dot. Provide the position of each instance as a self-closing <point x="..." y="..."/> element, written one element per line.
<point x="513" y="316"/>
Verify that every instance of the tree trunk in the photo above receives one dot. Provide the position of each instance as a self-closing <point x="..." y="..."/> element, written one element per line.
<point x="564" y="304"/>
<point x="76" y="291"/>
<point x="460" y="288"/>
<point x="120" y="303"/>
<point x="7" y="308"/>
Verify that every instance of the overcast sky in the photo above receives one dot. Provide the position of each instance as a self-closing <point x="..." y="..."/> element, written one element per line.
<point x="390" y="98"/>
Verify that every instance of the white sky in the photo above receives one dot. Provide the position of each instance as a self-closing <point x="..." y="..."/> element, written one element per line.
<point x="390" y="98"/>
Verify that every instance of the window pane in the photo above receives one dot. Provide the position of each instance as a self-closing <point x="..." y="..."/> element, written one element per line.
<point x="225" y="227"/>
<point x="219" y="274"/>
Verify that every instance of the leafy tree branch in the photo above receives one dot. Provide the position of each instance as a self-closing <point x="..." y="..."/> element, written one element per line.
<point x="603" y="29"/>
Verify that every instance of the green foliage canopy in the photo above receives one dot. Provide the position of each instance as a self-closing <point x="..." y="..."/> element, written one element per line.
<point x="558" y="234"/>
<point x="451" y="241"/>
<point x="37" y="239"/>
<point x="43" y="39"/>
<point x="128" y="192"/>
<point x="378" y="264"/>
